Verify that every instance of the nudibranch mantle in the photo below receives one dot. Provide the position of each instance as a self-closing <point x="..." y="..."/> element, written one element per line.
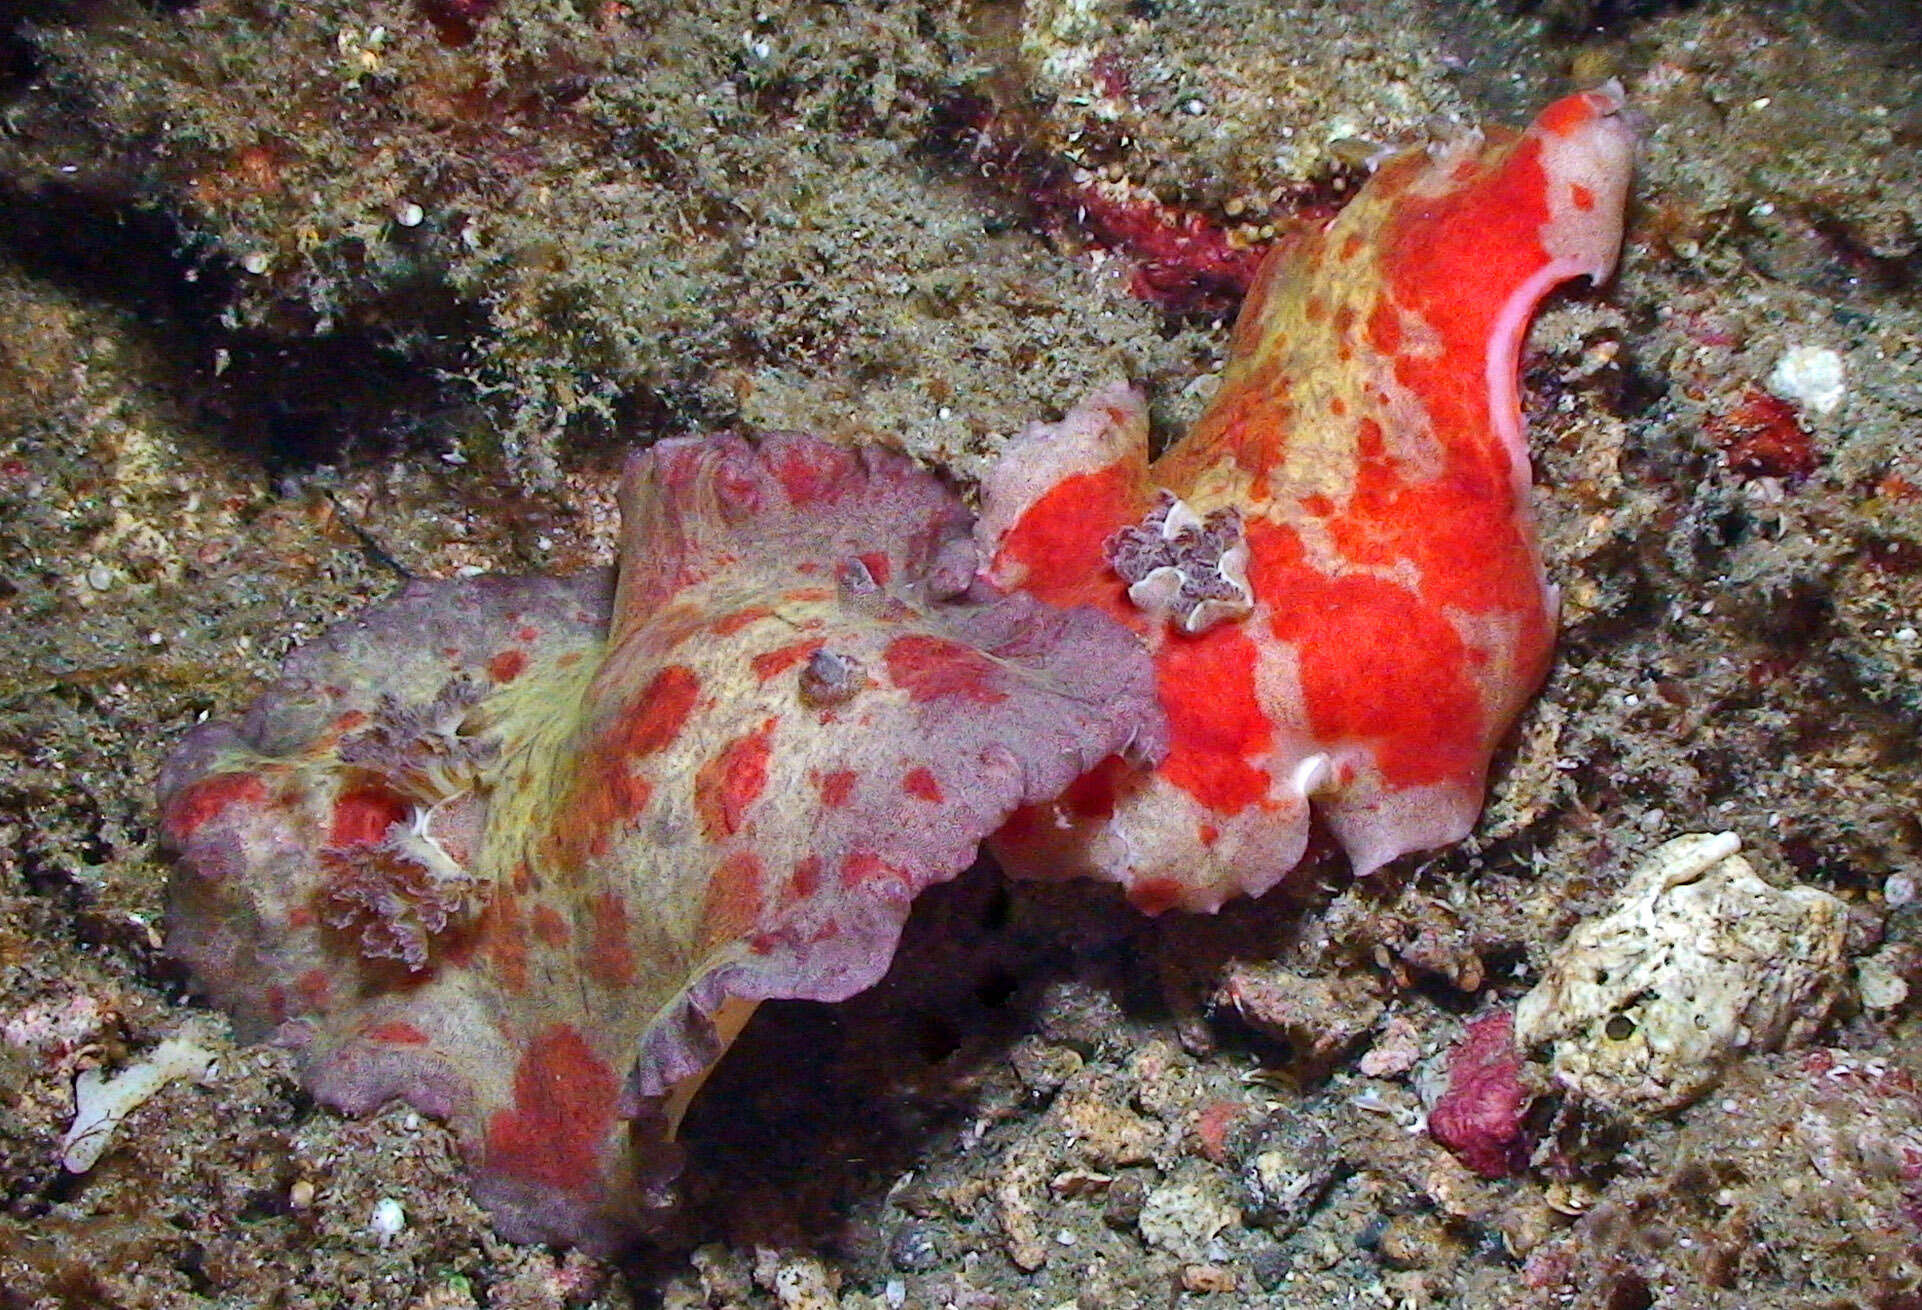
<point x="1383" y="616"/>
<point x="523" y="852"/>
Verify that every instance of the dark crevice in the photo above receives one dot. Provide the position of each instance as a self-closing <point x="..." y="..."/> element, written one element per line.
<point x="291" y="403"/>
<point x="1569" y="19"/>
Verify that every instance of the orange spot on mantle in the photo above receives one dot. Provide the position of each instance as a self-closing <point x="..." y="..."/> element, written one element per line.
<point x="728" y="625"/>
<point x="562" y="1114"/>
<point x="549" y="928"/>
<point x="658" y="715"/>
<point x="605" y="791"/>
<point x="507" y="666"/>
<point x="1059" y="542"/>
<point x="922" y="785"/>
<point x="932" y="668"/>
<point x="731" y="781"/>
<point x="609" y="960"/>
<point x="782" y="658"/>
<point x="1154" y="895"/>
<point x="313" y="988"/>
<point x="734" y="900"/>
<point x="1379" y="665"/>
<point x="363" y="816"/>
<point x="397" y="1032"/>
<point x="836" y="787"/>
<point x="193" y="805"/>
<point x="503" y="935"/>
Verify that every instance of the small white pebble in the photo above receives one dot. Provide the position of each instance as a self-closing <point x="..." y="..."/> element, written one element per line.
<point x="1064" y="1238"/>
<point x="409" y="214"/>
<point x="256" y="262"/>
<point x="389" y="1218"/>
<point x="1813" y="377"/>
<point x="1898" y="889"/>
<point x="99" y="576"/>
<point x="1904" y="635"/>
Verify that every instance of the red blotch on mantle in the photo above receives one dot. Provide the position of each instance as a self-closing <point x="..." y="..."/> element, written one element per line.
<point x="563" y="1109"/>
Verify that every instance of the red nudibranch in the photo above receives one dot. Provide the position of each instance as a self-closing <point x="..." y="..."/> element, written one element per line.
<point x="523" y="851"/>
<point x="1337" y="569"/>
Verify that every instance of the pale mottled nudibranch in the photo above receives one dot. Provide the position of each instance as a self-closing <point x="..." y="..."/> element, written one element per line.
<point x="523" y="852"/>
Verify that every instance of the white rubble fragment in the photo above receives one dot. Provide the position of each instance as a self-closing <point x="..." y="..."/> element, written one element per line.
<point x="1879" y="981"/>
<point x="804" y="1283"/>
<point x="100" y="1103"/>
<point x="1700" y="962"/>
<point x="1813" y="377"/>
<point x="389" y="1219"/>
<point x="1184" y="1215"/>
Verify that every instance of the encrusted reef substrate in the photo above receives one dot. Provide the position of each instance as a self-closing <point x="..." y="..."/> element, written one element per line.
<point x="1734" y="658"/>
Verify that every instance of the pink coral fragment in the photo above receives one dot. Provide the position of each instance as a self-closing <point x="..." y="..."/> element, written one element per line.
<point x="1481" y="1116"/>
